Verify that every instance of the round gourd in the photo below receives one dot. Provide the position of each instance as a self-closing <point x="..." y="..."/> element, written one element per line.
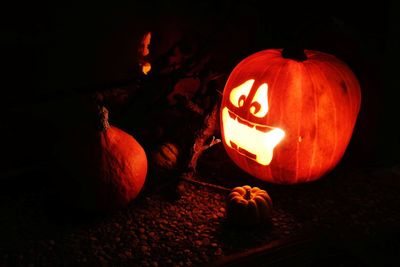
<point x="107" y="166"/>
<point x="165" y="157"/>
<point x="288" y="117"/>
<point x="249" y="206"/>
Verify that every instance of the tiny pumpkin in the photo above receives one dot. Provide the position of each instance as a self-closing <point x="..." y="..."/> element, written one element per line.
<point x="248" y="205"/>
<point x="107" y="167"/>
<point x="165" y="157"/>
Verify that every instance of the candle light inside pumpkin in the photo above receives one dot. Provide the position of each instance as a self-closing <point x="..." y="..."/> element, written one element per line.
<point x="288" y="117"/>
<point x="253" y="140"/>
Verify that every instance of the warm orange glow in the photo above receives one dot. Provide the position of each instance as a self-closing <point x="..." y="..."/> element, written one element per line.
<point x="146" y="67"/>
<point x="256" y="142"/>
<point x="143" y="52"/>
<point x="259" y="105"/>
<point x="239" y="94"/>
<point x="145" y="44"/>
<point x="288" y="120"/>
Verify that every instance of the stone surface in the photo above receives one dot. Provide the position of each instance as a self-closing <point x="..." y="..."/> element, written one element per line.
<point x="354" y="211"/>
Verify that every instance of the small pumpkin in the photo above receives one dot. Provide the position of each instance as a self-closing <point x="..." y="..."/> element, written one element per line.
<point x="165" y="157"/>
<point x="106" y="165"/>
<point x="248" y="205"/>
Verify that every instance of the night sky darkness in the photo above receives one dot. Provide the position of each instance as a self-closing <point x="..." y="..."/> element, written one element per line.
<point x="48" y="48"/>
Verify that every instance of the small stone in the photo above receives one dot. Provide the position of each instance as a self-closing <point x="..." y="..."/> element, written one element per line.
<point x="206" y="241"/>
<point x="145" y="263"/>
<point x="142" y="230"/>
<point x="218" y="252"/>
<point x="198" y="243"/>
<point x="220" y="214"/>
<point x="214" y="245"/>
<point x="181" y="188"/>
<point x="222" y="209"/>
<point x="144" y="249"/>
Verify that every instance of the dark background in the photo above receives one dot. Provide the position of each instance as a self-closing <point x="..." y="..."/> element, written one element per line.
<point x="48" y="49"/>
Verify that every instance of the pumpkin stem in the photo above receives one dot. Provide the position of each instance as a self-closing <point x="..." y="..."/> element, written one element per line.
<point x="295" y="53"/>
<point x="100" y="112"/>
<point x="247" y="195"/>
<point x="103" y="118"/>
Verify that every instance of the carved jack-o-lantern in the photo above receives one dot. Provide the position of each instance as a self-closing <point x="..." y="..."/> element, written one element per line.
<point x="287" y="120"/>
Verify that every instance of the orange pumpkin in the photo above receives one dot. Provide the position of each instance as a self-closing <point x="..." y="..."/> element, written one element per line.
<point x="248" y="205"/>
<point x="107" y="166"/>
<point x="288" y="119"/>
<point x="165" y="157"/>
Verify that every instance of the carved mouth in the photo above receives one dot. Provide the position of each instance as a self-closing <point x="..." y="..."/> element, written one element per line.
<point x="255" y="141"/>
<point x="243" y="151"/>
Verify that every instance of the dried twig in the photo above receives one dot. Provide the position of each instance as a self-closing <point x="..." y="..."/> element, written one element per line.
<point x="210" y="126"/>
<point x="188" y="177"/>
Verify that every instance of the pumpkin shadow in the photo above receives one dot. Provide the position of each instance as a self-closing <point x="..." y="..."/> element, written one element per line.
<point x="32" y="210"/>
<point x="62" y="204"/>
<point x="165" y="185"/>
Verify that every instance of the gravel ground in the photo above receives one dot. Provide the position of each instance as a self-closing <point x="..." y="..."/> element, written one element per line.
<point x="347" y="207"/>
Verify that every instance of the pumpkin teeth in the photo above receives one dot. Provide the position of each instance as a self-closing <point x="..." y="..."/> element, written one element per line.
<point x="245" y="122"/>
<point x="232" y="115"/>
<point x="252" y="140"/>
<point x="243" y="151"/>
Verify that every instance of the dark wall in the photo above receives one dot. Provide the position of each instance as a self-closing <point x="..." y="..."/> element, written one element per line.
<point x="48" y="48"/>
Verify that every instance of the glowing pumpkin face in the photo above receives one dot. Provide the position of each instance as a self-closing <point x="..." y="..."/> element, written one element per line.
<point x="253" y="140"/>
<point x="288" y="121"/>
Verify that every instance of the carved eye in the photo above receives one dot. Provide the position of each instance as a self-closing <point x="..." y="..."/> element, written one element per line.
<point x="239" y="94"/>
<point x="259" y="106"/>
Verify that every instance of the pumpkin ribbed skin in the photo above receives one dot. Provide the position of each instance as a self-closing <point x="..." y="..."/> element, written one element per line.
<point x="249" y="206"/>
<point x="107" y="167"/>
<point x="166" y="156"/>
<point x="315" y="102"/>
<point x="122" y="169"/>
